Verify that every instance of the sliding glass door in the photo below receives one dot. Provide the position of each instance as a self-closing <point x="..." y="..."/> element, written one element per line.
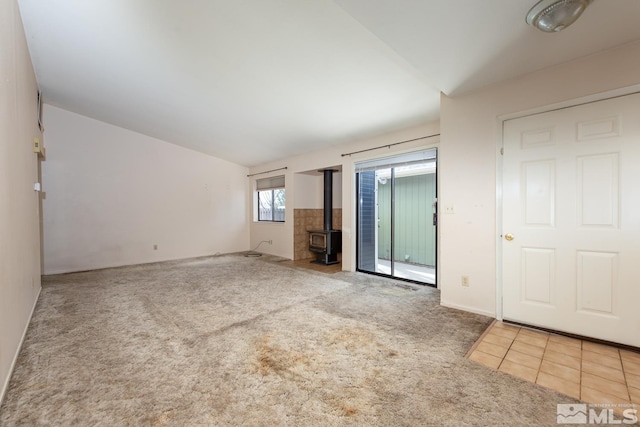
<point x="396" y="216"/>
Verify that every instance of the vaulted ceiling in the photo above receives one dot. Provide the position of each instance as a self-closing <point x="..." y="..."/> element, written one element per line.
<point x="251" y="81"/>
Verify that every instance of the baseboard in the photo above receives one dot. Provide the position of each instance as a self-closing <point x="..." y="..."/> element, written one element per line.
<point x="5" y="386"/>
<point x="54" y="272"/>
<point x="469" y="309"/>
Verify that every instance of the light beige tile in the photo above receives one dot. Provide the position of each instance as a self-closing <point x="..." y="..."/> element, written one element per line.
<point x="606" y="386"/>
<point x="630" y="356"/>
<point x="538" y="340"/>
<point x="558" y="384"/>
<point x="505" y="332"/>
<point x="562" y="359"/>
<point x="564" y="349"/>
<point x="633" y="380"/>
<point x="533" y="332"/>
<point x="497" y="339"/>
<point x="505" y="326"/>
<point x="523" y="359"/>
<point x="564" y="372"/>
<point x="485" y="359"/>
<point x="492" y="349"/>
<point x="600" y="348"/>
<point x="635" y="395"/>
<point x="529" y="349"/>
<point x="603" y="371"/>
<point x="518" y="370"/>
<point x="601" y="359"/>
<point x="561" y="339"/>
<point x="590" y="395"/>
<point x="631" y="367"/>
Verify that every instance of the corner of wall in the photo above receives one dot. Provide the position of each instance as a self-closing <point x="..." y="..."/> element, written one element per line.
<point x="19" y="218"/>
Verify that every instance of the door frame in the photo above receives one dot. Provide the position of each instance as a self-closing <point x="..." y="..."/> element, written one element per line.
<point x="500" y="120"/>
<point x="356" y="218"/>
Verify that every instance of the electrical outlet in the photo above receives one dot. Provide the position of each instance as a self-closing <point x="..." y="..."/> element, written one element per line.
<point x="465" y="281"/>
<point x="449" y="209"/>
<point x="270" y="242"/>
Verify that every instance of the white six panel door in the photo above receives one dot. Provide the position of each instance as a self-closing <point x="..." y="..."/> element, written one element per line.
<point x="571" y="202"/>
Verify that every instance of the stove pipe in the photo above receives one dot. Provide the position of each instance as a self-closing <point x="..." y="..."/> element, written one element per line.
<point x="328" y="198"/>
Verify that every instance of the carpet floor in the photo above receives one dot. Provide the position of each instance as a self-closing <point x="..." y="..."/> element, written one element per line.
<point x="237" y="341"/>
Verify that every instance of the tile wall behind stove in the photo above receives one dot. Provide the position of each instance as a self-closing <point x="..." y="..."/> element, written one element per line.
<point x="309" y="219"/>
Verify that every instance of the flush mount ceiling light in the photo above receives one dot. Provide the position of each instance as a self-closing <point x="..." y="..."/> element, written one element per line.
<point x="555" y="15"/>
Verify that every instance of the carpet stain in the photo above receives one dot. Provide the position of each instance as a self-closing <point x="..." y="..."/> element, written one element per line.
<point x="349" y="411"/>
<point x="272" y="359"/>
<point x="163" y="418"/>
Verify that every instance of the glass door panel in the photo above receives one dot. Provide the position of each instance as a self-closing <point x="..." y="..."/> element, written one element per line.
<point x="374" y="221"/>
<point x="414" y="244"/>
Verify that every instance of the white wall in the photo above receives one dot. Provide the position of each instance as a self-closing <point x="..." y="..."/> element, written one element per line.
<point x="19" y="203"/>
<point x="467" y="163"/>
<point x="282" y="234"/>
<point x="310" y="191"/>
<point x="112" y="194"/>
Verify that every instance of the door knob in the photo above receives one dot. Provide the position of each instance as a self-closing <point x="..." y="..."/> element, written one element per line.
<point x="509" y="236"/>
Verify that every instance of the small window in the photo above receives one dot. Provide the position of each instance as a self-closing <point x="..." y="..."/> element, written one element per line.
<point x="271" y="205"/>
<point x="271" y="199"/>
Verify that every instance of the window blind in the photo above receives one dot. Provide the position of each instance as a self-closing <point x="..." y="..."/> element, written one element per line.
<point x="398" y="160"/>
<point x="271" y="183"/>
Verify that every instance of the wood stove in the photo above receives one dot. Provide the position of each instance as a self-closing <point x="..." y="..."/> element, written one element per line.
<point x="326" y="243"/>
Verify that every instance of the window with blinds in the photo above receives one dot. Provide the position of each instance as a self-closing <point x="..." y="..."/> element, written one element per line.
<point x="271" y="199"/>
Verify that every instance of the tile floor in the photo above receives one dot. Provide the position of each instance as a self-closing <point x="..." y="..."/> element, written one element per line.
<point x="593" y="373"/>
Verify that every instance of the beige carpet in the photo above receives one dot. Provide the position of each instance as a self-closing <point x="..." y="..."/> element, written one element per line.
<point x="233" y="341"/>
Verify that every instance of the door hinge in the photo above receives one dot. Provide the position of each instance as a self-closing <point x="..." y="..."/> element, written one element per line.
<point x="502" y="151"/>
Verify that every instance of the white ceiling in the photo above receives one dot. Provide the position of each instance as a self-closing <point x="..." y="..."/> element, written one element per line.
<point x="251" y="81"/>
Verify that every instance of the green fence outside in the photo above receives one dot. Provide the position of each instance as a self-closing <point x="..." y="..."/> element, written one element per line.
<point x="415" y="239"/>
